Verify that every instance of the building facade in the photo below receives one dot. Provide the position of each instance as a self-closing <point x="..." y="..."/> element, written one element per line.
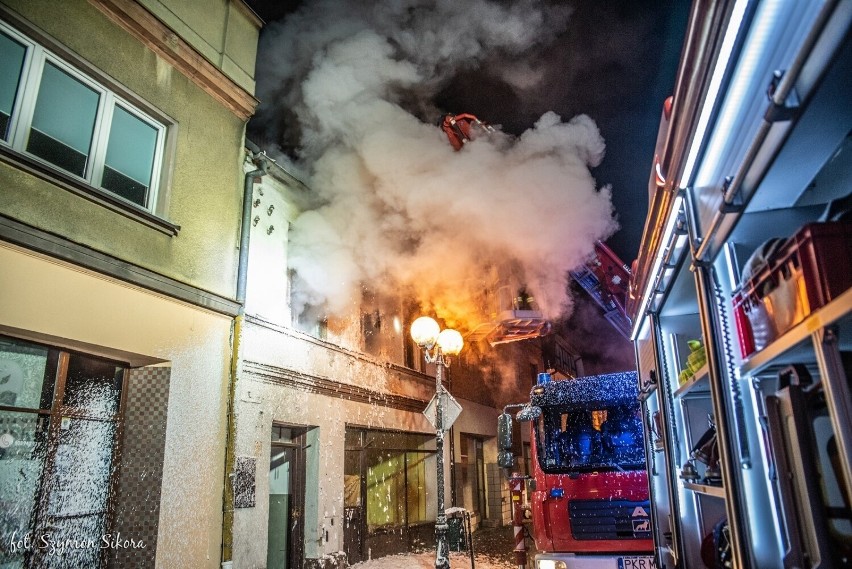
<point x="334" y="460"/>
<point x="121" y="136"/>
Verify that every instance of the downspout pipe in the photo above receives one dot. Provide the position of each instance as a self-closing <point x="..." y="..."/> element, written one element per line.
<point x="262" y="162"/>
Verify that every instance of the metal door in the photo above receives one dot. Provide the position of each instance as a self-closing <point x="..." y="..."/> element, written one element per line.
<point x="285" y="545"/>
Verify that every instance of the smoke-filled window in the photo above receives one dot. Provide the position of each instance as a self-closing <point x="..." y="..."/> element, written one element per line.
<point x="71" y="122"/>
<point x="308" y="314"/>
<point x="383" y="329"/>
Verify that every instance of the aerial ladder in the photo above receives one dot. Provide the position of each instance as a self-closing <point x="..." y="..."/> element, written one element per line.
<point x="604" y="276"/>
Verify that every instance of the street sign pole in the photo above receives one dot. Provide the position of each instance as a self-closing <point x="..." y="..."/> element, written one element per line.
<point x="442" y="550"/>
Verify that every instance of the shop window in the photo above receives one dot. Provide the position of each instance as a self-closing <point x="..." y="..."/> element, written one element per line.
<point x="396" y="471"/>
<point x="60" y="419"/>
<point x="52" y="112"/>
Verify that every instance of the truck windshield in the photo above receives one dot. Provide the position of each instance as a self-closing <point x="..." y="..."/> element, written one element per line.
<point x="569" y="439"/>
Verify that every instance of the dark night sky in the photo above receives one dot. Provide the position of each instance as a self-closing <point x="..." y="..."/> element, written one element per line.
<point x="615" y="62"/>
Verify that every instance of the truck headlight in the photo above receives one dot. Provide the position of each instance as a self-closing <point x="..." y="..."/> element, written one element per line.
<point x="550" y="564"/>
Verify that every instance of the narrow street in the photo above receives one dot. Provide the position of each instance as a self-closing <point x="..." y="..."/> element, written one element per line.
<point x="493" y="549"/>
<point x="313" y="284"/>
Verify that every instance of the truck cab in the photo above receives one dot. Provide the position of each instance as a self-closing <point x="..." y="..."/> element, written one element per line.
<point x="588" y="486"/>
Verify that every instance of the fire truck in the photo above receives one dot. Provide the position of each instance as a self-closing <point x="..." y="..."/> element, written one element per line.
<point x="741" y="298"/>
<point x="606" y="278"/>
<point x="588" y="484"/>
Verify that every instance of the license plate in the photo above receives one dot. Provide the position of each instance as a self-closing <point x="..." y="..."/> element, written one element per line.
<point x="636" y="563"/>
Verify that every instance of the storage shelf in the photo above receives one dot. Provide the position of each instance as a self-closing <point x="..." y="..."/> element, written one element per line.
<point x="696" y="384"/>
<point x="794" y="345"/>
<point x="706" y="489"/>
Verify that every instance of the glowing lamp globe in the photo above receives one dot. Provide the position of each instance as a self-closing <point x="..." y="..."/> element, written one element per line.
<point x="450" y="342"/>
<point x="424" y="332"/>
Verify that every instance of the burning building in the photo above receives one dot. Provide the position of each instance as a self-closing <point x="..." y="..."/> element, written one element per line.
<point x="394" y="222"/>
<point x="332" y="404"/>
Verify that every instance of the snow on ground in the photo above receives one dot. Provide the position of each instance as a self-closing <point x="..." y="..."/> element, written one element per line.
<point x="426" y="560"/>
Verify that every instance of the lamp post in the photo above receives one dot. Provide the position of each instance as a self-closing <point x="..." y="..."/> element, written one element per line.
<point x="438" y="345"/>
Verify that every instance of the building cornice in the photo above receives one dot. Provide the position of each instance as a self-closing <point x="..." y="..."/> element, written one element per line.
<point x="158" y="37"/>
<point x="59" y="247"/>
<point x="330" y="388"/>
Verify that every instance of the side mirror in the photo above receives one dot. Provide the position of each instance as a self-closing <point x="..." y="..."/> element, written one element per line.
<point x="529" y="413"/>
<point x="504" y="432"/>
<point x="505" y="459"/>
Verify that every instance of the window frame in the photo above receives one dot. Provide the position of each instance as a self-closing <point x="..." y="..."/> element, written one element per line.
<point x="57" y="365"/>
<point x="21" y="117"/>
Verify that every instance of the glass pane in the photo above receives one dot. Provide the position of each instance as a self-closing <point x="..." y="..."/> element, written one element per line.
<point x="22" y="453"/>
<point x="280" y="507"/>
<point x="93" y="386"/>
<point x="351" y="479"/>
<point x="64" y="120"/>
<point x="130" y="156"/>
<point x="26" y="374"/>
<point x="596" y="439"/>
<point x="385" y="489"/>
<point x="353" y="438"/>
<point x="399" y="440"/>
<point x="415" y="495"/>
<point x="72" y="543"/>
<point x="282" y="434"/>
<point x="80" y="483"/>
<point x="11" y="62"/>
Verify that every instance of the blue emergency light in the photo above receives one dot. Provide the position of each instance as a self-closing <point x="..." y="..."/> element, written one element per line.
<point x="544" y="378"/>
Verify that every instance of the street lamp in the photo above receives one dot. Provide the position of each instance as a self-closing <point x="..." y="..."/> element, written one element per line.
<point x="438" y="345"/>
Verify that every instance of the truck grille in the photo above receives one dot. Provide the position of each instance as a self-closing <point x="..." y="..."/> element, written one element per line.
<point x="610" y="519"/>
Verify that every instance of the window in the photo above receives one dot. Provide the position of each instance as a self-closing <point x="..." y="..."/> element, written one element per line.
<point x="387" y="474"/>
<point x="306" y="315"/>
<point x="59" y="116"/>
<point x="60" y="416"/>
<point x="573" y="439"/>
<point x="565" y="362"/>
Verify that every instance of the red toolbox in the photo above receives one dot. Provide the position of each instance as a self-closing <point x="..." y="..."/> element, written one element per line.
<point x="810" y="270"/>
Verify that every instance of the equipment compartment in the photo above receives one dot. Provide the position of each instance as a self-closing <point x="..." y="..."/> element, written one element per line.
<point x="812" y="268"/>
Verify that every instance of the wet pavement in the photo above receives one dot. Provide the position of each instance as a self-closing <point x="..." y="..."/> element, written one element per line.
<point x="499" y="544"/>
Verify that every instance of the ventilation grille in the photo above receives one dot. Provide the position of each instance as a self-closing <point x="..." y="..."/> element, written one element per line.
<point x="610" y="519"/>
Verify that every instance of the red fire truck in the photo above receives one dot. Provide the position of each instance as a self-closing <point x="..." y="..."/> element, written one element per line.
<point x="588" y="485"/>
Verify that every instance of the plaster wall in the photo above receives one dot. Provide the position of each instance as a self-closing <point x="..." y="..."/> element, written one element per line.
<point x="223" y="31"/>
<point x="267" y="290"/>
<point x="49" y="301"/>
<point x="201" y="188"/>
<point x="262" y="401"/>
<point x="293" y="350"/>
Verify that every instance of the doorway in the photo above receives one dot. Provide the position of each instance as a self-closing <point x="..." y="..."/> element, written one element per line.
<point x="473" y="486"/>
<point x="286" y="544"/>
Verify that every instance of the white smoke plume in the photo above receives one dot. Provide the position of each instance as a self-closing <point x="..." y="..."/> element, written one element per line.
<point x="347" y="89"/>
